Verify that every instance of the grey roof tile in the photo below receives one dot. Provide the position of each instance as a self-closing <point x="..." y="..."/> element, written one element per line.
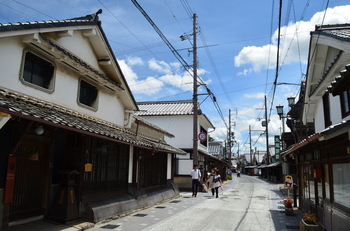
<point x="338" y="31"/>
<point x="165" y="108"/>
<point x="32" y="107"/>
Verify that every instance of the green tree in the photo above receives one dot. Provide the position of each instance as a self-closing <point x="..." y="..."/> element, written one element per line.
<point x="211" y="139"/>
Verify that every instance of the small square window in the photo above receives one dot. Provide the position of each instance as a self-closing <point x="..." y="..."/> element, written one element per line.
<point x="37" y="71"/>
<point x="88" y="94"/>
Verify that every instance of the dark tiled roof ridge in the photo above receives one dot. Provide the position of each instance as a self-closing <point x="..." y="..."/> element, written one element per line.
<point x="56" y="107"/>
<point x="167" y="102"/>
<point x="52" y="113"/>
<point x="332" y="26"/>
<point x="88" y="18"/>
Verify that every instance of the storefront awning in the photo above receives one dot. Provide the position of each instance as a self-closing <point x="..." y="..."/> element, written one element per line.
<point x="301" y="144"/>
<point x="274" y="164"/>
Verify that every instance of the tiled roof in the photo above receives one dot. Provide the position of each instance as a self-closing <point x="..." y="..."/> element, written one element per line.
<point x="55" y="115"/>
<point x="338" y="31"/>
<point x="301" y="144"/>
<point x="325" y="73"/>
<point x="165" y="108"/>
<point x="215" y="148"/>
<point x="88" y="19"/>
<point x="146" y="123"/>
<point x="341" y="82"/>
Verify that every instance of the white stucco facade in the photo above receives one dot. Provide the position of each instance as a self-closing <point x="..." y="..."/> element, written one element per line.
<point x="13" y="48"/>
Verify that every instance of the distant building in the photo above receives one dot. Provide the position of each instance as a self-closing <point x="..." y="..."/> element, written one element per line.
<point x="177" y="118"/>
<point x="217" y="149"/>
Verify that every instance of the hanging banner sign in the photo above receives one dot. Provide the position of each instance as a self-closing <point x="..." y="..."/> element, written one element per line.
<point x="277" y="147"/>
<point x="10" y="179"/>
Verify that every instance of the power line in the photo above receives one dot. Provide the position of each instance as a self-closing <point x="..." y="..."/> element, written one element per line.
<point x="33" y="9"/>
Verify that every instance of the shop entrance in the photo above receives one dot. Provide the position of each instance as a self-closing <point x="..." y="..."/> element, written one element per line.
<point x="28" y="195"/>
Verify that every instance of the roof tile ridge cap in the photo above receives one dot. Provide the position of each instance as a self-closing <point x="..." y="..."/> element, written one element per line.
<point x="59" y="108"/>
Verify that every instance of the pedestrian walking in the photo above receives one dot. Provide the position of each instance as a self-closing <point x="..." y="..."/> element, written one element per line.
<point x="217" y="183"/>
<point x="196" y="178"/>
<point x="210" y="181"/>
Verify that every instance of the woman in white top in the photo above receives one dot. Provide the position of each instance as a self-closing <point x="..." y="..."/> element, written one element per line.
<point x="210" y="181"/>
<point x="217" y="183"/>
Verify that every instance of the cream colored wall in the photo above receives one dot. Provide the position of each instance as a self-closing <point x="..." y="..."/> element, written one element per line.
<point x="180" y="126"/>
<point x="66" y="81"/>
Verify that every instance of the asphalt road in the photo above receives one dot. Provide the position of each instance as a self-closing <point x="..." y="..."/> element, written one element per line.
<point x="246" y="203"/>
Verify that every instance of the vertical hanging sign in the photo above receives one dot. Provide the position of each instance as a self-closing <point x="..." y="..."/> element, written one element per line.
<point x="10" y="179"/>
<point x="277" y="148"/>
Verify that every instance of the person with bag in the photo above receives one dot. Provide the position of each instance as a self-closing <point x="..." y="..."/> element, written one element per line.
<point x="210" y="181"/>
<point x="217" y="183"/>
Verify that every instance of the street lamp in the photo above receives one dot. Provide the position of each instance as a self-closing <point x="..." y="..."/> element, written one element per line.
<point x="281" y="114"/>
<point x="291" y="102"/>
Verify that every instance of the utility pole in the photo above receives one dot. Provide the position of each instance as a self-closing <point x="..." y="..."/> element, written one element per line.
<point x="229" y="137"/>
<point x="195" y="95"/>
<point x="267" y="135"/>
<point x="250" y="144"/>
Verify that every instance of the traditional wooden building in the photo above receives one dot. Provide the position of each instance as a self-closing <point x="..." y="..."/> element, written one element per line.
<point x="177" y="117"/>
<point x="323" y="157"/>
<point x="71" y="146"/>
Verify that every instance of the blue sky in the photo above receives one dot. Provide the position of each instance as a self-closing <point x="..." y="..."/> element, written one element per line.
<point x="236" y="50"/>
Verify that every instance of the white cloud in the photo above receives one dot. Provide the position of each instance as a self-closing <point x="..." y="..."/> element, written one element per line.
<point x="134" y="61"/>
<point x="159" y="66"/>
<point x="255" y="96"/>
<point x="168" y="75"/>
<point x="295" y="38"/>
<point x="244" y="72"/>
<point x="148" y="86"/>
<point x="183" y="82"/>
<point x="256" y="57"/>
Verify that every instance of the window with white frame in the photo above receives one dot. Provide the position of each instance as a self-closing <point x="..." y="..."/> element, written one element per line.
<point x="37" y="71"/>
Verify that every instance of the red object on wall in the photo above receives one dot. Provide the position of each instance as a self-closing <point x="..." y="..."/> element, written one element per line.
<point x="10" y="179"/>
<point x="318" y="173"/>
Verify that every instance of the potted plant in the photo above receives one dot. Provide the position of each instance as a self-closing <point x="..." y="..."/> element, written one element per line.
<point x="309" y="222"/>
<point x="288" y="207"/>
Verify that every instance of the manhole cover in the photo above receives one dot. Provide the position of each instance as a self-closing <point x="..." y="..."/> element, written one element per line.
<point x="109" y="226"/>
<point x="140" y="215"/>
<point x="160" y="207"/>
<point x="175" y="201"/>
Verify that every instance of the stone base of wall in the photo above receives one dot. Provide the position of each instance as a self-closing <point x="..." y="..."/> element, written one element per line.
<point x="185" y="184"/>
<point x="109" y="206"/>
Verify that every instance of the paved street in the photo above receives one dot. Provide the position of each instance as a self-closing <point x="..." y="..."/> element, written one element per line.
<point x="245" y="203"/>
